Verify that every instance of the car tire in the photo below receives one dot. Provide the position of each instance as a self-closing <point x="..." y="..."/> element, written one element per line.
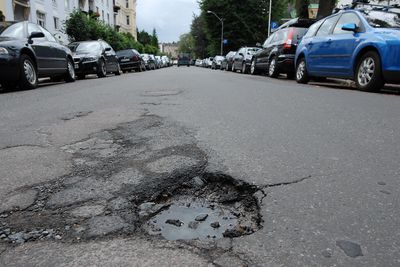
<point x="369" y="73"/>
<point x="29" y="77"/>
<point x="118" y="72"/>
<point x="101" y="69"/>
<point x="301" y="72"/>
<point x="244" y="68"/>
<point x="273" y="70"/>
<point x="70" y="75"/>
<point x="233" y="67"/>
<point x="227" y="67"/>
<point x="253" y="69"/>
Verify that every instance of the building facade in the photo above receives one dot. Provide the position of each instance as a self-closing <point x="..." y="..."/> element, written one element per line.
<point x="125" y="16"/>
<point x="171" y="49"/>
<point x="51" y="14"/>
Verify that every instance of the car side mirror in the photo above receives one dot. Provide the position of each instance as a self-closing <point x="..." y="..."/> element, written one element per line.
<point x="241" y="54"/>
<point x="36" y="35"/>
<point x="351" y="27"/>
<point x="108" y="49"/>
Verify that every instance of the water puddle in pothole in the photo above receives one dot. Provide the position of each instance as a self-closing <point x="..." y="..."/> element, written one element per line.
<point x="197" y="220"/>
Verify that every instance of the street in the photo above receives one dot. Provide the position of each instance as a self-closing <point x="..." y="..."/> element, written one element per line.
<point x="116" y="172"/>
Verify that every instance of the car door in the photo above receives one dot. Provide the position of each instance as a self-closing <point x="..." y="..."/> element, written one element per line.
<point x="263" y="56"/>
<point x="319" y="48"/>
<point x="59" y="58"/>
<point x="110" y="56"/>
<point x="344" y="42"/>
<point x="43" y="50"/>
<point x="237" y="60"/>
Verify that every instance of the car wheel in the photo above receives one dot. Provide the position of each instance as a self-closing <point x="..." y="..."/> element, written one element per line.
<point x="273" y="71"/>
<point x="227" y="67"/>
<point x="369" y="73"/>
<point x="118" y="72"/>
<point x="101" y="69"/>
<point x="253" y="69"/>
<point x="301" y="72"/>
<point x="70" y="75"/>
<point x="244" y="68"/>
<point x="233" y="67"/>
<point x="29" y="77"/>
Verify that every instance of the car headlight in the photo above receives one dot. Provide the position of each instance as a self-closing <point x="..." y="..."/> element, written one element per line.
<point x="3" y="51"/>
<point x="87" y="59"/>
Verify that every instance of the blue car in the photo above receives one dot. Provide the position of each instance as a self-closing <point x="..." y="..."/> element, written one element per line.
<point x="358" y="44"/>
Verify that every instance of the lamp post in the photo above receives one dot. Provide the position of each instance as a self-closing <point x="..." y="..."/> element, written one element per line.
<point x="222" y="30"/>
<point x="269" y="18"/>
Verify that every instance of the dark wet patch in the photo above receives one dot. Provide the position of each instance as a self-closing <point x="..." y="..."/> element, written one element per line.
<point x="350" y="248"/>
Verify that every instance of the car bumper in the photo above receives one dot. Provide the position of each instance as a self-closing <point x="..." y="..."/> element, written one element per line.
<point x="129" y="65"/>
<point x="286" y="63"/>
<point x="9" y="69"/>
<point x="86" y="67"/>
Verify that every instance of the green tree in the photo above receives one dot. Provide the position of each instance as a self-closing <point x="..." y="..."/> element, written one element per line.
<point x="197" y="30"/>
<point x="154" y="38"/>
<point x="186" y="44"/>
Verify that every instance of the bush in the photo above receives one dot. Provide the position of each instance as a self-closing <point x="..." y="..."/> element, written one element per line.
<point x="83" y="27"/>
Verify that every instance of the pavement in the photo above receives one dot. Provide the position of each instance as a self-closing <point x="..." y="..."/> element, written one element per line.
<point x="309" y="172"/>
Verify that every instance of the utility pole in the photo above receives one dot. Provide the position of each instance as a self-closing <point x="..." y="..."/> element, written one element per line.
<point x="269" y="17"/>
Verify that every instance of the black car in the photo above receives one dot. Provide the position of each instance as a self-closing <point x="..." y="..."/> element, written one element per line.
<point x="278" y="52"/>
<point x="184" y="60"/>
<point x="94" y="57"/>
<point x="242" y="59"/>
<point x="227" y="63"/>
<point x="149" y="61"/>
<point x="29" y="52"/>
<point x="130" y="59"/>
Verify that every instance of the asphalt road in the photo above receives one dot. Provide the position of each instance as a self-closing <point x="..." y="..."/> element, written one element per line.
<point x="325" y="157"/>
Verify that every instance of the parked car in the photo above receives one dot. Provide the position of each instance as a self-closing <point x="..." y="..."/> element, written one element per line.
<point x="94" y="57"/>
<point x="165" y="61"/>
<point x="29" y="52"/>
<point x="279" y="50"/>
<point x="149" y="61"/>
<point x="208" y="62"/>
<point x="217" y="61"/>
<point x="130" y="59"/>
<point x="158" y="62"/>
<point x="183" y="60"/>
<point x="242" y="59"/>
<point x="227" y="62"/>
<point x="198" y="62"/>
<point x="362" y="45"/>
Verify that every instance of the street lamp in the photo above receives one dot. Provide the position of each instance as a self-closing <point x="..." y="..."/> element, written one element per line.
<point x="222" y="30"/>
<point x="269" y="17"/>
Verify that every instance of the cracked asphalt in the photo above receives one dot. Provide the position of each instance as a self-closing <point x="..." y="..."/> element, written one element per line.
<point x="310" y="172"/>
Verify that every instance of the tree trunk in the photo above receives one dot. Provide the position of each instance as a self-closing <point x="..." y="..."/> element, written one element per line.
<point x="302" y="8"/>
<point x="325" y="8"/>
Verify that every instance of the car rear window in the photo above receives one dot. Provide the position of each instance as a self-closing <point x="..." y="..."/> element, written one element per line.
<point x="124" y="53"/>
<point x="299" y="33"/>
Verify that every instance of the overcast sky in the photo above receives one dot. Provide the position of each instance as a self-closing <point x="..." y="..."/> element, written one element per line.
<point x="170" y="18"/>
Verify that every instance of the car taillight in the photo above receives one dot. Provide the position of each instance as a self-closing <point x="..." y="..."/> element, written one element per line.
<point x="289" y="41"/>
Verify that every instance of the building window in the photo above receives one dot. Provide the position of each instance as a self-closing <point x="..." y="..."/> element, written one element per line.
<point x="41" y="19"/>
<point x="127" y="3"/>
<point x="97" y="9"/>
<point x="66" y="3"/>
<point x="108" y="18"/>
<point x="55" y="3"/>
<point x="127" y="20"/>
<point x="56" y="23"/>
<point x="102" y="14"/>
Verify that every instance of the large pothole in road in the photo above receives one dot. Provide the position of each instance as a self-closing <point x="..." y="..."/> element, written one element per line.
<point x="208" y="207"/>
<point x="146" y="177"/>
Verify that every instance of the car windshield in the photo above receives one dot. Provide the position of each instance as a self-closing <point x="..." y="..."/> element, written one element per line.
<point x="382" y="19"/>
<point x="85" y="47"/>
<point x="11" y="29"/>
<point x="124" y="53"/>
<point x="252" y="50"/>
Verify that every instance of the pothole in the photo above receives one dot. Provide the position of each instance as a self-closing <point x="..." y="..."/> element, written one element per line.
<point x="207" y="207"/>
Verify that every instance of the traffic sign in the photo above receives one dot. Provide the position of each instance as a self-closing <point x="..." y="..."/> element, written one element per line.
<point x="274" y="25"/>
<point x="225" y="41"/>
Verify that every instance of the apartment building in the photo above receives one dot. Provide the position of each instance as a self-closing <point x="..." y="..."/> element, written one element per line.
<point x="125" y="16"/>
<point x="51" y="14"/>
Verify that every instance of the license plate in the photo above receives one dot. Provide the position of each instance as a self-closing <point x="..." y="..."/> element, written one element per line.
<point x="76" y="66"/>
<point x="125" y="60"/>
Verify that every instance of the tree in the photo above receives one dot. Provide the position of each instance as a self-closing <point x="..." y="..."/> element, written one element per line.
<point x="325" y="8"/>
<point x="197" y="30"/>
<point x="154" y="38"/>
<point x="186" y="44"/>
<point x="302" y="8"/>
